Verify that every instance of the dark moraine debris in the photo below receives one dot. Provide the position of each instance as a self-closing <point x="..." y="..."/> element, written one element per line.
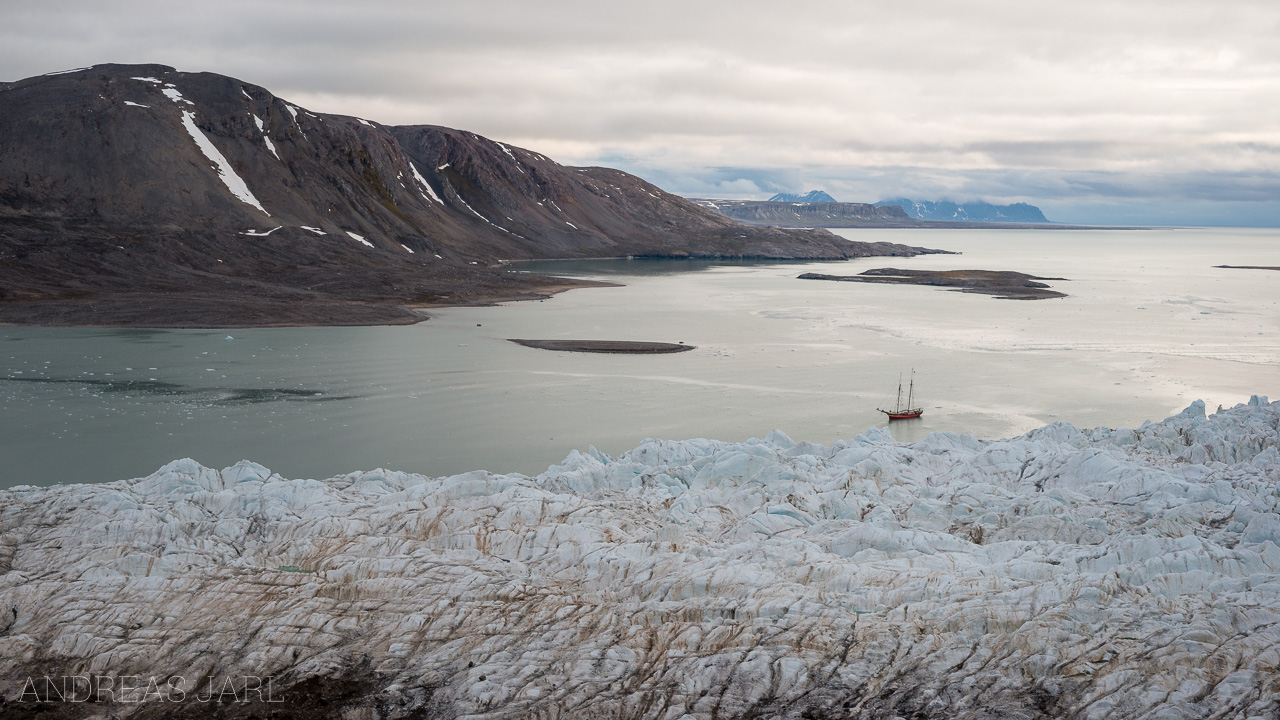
<point x="1000" y="283"/>
<point x="606" y="346"/>
<point x="1248" y="267"/>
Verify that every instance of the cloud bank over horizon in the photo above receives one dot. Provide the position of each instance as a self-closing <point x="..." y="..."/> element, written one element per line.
<point x="1141" y="112"/>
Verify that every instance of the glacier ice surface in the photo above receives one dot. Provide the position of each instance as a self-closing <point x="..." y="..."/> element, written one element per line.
<point x="1090" y="573"/>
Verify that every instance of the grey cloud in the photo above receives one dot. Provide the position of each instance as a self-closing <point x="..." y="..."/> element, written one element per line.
<point x="994" y="98"/>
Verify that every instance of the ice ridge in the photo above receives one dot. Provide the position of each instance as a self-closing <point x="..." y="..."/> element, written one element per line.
<point x="1090" y="573"/>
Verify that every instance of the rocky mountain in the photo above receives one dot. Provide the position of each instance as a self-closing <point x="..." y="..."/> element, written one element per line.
<point x="813" y="196"/>
<point x="137" y="194"/>
<point x="806" y="214"/>
<point x="1067" y="573"/>
<point x="968" y="212"/>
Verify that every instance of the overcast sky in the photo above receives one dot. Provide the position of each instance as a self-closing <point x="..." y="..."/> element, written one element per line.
<point x="1097" y="111"/>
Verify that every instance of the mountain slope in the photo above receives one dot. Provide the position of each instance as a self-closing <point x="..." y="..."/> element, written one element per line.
<point x="136" y="194"/>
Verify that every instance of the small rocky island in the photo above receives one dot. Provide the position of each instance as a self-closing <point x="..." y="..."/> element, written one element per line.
<point x="1248" y="267"/>
<point x="625" y="347"/>
<point x="999" y="283"/>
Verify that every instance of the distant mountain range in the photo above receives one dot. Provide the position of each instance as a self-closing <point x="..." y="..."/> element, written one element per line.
<point x="968" y="212"/>
<point x="813" y="196"/>
<point x="137" y="194"/>
<point x="810" y="214"/>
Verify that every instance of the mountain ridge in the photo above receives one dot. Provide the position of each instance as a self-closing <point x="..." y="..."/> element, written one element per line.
<point x="805" y="214"/>
<point x="945" y="210"/>
<point x="206" y="194"/>
<point x="813" y="196"/>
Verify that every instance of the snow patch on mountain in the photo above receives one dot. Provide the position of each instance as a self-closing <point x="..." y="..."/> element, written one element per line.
<point x="359" y="238"/>
<point x="426" y="186"/>
<point x="255" y="233"/>
<point x="262" y="129"/>
<point x="228" y="175"/>
<point x="174" y="95"/>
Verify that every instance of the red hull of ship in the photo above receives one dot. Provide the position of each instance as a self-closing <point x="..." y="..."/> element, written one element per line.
<point x="904" y="416"/>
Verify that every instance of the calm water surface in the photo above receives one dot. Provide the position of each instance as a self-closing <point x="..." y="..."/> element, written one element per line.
<point x="1149" y="326"/>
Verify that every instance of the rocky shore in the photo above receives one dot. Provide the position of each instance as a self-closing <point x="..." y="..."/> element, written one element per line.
<point x="624" y="347"/>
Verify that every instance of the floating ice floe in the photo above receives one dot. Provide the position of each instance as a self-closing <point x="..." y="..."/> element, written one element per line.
<point x="1064" y="573"/>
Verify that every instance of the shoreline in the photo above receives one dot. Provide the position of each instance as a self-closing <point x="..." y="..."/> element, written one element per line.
<point x="360" y="314"/>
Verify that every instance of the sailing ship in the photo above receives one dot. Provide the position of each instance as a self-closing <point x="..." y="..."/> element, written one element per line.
<point x="907" y="411"/>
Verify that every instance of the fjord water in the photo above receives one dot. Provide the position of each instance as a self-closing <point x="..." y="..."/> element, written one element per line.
<point x="1148" y="326"/>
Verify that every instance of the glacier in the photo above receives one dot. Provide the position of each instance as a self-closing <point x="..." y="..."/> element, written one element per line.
<point x="1086" y="573"/>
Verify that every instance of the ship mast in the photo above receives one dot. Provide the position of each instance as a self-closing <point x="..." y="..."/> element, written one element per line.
<point x="911" y="389"/>
<point x="898" y="407"/>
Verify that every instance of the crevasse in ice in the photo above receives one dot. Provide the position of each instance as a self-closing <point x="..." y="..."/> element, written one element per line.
<point x="1092" y="573"/>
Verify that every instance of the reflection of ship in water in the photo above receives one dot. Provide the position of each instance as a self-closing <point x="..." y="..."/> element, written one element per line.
<point x="907" y="411"/>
